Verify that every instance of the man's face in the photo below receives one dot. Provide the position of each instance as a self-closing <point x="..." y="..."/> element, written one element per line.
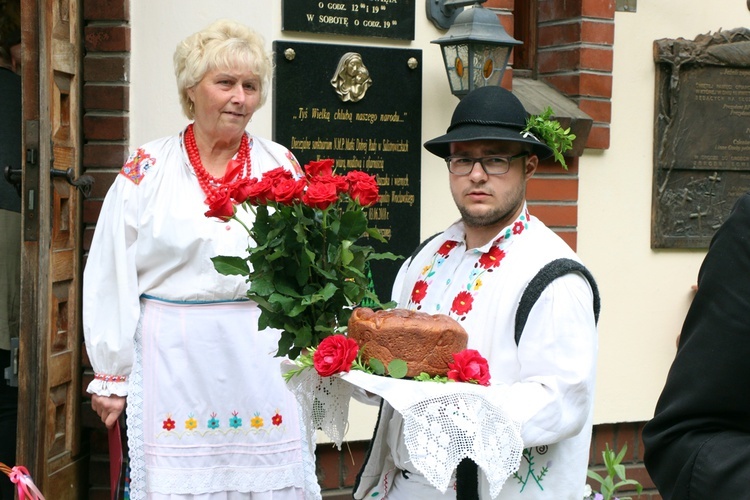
<point x="491" y="200"/>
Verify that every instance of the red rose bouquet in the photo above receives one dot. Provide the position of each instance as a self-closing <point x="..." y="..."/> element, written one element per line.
<point x="308" y="267"/>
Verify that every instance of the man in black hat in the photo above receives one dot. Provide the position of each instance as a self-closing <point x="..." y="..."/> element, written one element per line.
<point x="543" y="367"/>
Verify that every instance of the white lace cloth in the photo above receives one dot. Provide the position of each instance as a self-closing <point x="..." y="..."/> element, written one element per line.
<point x="443" y="423"/>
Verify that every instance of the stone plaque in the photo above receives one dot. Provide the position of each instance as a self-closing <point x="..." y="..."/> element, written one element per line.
<point x="375" y="18"/>
<point x="702" y="136"/>
<point x="362" y="107"/>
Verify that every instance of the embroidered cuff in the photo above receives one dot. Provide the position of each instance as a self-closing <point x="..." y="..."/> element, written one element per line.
<point x="110" y="378"/>
<point x="108" y="385"/>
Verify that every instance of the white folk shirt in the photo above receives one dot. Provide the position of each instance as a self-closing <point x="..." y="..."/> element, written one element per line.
<point x="546" y="383"/>
<point x="152" y="238"/>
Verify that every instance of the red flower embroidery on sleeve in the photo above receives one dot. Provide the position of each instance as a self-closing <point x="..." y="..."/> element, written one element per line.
<point x="446" y="247"/>
<point x="419" y="291"/>
<point x="492" y="258"/>
<point x="462" y="303"/>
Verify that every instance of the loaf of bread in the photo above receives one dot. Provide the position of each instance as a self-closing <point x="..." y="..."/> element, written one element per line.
<point x="425" y="341"/>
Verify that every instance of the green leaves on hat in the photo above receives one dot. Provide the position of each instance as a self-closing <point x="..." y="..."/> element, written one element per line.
<point x="550" y="132"/>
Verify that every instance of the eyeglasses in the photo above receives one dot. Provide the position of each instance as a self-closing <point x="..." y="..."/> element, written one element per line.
<point x="492" y="165"/>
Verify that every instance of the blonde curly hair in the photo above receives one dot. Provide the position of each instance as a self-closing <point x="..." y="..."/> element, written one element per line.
<point x="224" y="44"/>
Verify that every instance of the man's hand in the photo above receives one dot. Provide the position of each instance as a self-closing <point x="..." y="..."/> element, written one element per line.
<point x="108" y="408"/>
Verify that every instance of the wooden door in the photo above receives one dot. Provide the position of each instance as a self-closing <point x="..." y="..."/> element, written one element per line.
<point x="50" y="338"/>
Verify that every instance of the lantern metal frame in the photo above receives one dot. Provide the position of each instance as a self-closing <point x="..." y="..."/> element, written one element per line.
<point x="475" y="49"/>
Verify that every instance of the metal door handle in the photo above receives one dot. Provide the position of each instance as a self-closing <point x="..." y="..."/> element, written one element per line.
<point x="83" y="183"/>
<point x="13" y="176"/>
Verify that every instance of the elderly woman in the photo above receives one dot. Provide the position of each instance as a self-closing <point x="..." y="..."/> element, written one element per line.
<point x="208" y="414"/>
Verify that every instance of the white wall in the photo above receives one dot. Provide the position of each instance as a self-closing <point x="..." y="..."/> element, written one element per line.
<point x="645" y="293"/>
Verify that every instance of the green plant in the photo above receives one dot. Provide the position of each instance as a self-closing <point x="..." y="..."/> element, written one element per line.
<point x="615" y="470"/>
<point x="551" y="132"/>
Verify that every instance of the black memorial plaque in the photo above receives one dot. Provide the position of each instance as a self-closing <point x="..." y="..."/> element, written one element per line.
<point x="702" y="136"/>
<point x="373" y="18"/>
<point x="372" y="124"/>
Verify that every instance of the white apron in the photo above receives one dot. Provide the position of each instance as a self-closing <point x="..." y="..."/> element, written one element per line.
<point x="224" y="421"/>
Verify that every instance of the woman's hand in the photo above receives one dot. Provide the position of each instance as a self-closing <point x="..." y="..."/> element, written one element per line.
<point x="108" y="408"/>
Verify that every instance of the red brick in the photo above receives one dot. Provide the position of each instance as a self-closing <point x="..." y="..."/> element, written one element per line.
<point x="88" y="235"/>
<point x="598" y="137"/>
<point x="105" y="155"/>
<point x="597" y="59"/>
<point x="110" y="68"/>
<point x="598" y="109"/>
<point x="352" y="463"/>
<point x="499" y="4"/>
<point x="546" y="189"/>
<point x="105" y="10"/>
<point x="559" y="34"/>
<point x="569" y="237"/>
<point x="555" y="215"/>
<point x="102" y="182"/>
<point x="105" y="127"/>
<point x="568" y="84"/>
<point x="106" y="97"/>
<point x="595" y="85"/>
<point x="107" y="38"/>
<point x="550" y="166"/>
<point x="558" y="60"/>
<point x="553" y="10"/>
<point x="598" y="8"/>
<point x="91" y="209"/>
<point x="598" y="32"/>
<point x="328" y="466"/>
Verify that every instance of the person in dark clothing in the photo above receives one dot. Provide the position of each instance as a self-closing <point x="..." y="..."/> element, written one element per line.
<point x="697" y="446"/>
<point x="10" y="229"/>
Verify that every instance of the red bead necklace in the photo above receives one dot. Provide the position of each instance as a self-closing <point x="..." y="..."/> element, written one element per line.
<point x="215" y="187"/>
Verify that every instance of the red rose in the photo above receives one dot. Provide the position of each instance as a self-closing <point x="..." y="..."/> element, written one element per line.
<point x="462" y="303"/>
<point x="288" y="190"/>
<point x="341" y="183"/>
<point x="469" y="366"/>
<point x="277" y="174"/>
<point x="335" y="354"/>
<point x="221" y="206"/>
<point x="260" y="192"/>
<point x="321" y="167"/>
<point x="363" y="188"/>
<point x="320" y="194"/>
<point x="492" y="258"/>
<point x="241" y="191"/>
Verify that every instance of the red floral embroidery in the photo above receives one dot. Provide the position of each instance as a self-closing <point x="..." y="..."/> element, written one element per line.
<point x="446" y="247"/>
<point x="168" y="424"/>
<point x="462" y="303"/>
<point x="276" y="419"/>
<point x="492" y="258"/>
<point x="419" y="291"/>
<point x="518" y="227"/>
<point x="136" y="166"/>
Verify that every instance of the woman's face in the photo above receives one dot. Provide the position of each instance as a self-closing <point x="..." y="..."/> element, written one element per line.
<point x="224" y="101"/>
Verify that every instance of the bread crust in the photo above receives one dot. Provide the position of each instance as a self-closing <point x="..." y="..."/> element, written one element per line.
<point x="425" y="341"/>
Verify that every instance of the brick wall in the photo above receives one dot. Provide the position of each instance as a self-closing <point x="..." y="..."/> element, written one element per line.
<point x="106" y="102"/>
<point x="337" y="470"/>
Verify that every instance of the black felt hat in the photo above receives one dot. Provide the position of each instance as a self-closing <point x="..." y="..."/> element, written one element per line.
<point x="488" y="113"/>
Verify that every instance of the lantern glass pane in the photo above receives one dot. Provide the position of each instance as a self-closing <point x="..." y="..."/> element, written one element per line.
<point x="456" y="59"/>
<point x="487" y="64"/>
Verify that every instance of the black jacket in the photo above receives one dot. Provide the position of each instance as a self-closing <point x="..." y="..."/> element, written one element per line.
<point x="697" y="446"/>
